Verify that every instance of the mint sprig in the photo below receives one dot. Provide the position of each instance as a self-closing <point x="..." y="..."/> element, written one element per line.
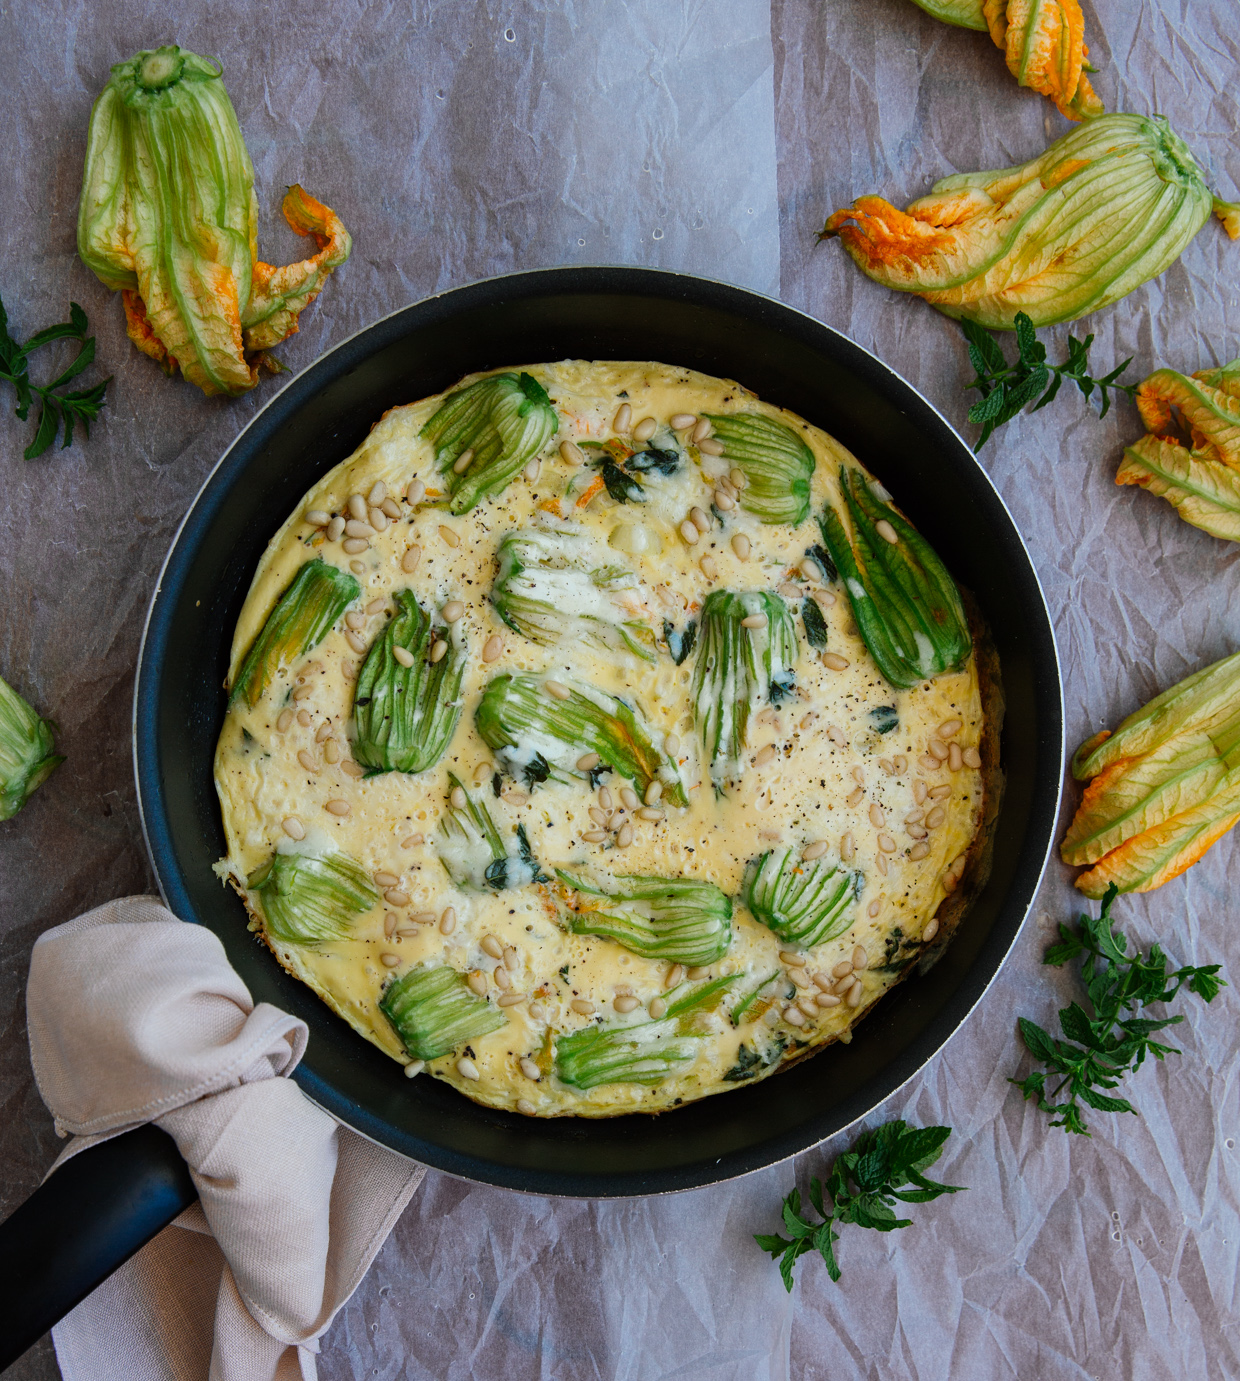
<point x="861" y="1188"/>
<point x="55" y="409"/>
<point x="1006" y="389"/>
<point x="1101" y="1048"/>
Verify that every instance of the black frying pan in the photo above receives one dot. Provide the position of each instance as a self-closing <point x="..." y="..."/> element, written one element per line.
<point x="315" y="422"/>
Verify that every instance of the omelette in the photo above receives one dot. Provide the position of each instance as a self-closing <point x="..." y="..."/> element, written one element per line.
<point x="601" y="737"/>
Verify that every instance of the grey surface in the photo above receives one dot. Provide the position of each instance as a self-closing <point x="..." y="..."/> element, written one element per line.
<point x="452" y="153"/>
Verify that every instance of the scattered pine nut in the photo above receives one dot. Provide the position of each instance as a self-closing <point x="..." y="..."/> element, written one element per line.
<point x="409" y="562"/>
<point x="680" y="420"/>
<point x="886" y="531"/>
<point x="571" y="453"/>
<point x="741" y="546"/>
<point x="449" y="535"/>
<point x="294" y="828"/>
<point x="493" y="649"/>
<point x="466" y="1068"/>
<point x="338" y="807"/>
<point x="645" y="429"/>
<point x="710" y="447"/>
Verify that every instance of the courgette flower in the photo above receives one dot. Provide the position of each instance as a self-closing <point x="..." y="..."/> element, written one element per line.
<point x="1107" y="207"/>
<point x="1202" y="480"/>
<point x="1042" y="40"/>
<point x="1162" y="788"/>
<point x="168" y="216"/>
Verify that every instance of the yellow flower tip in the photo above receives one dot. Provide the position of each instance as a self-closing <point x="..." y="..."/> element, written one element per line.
<point x="1229" y="213"/>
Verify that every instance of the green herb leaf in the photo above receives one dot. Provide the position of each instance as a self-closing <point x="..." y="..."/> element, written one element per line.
<point x="1007" y="389"/>
<point x="861" y="1188"/>
<point x="1102" y="1047"/>
<point x="80" y="406"/>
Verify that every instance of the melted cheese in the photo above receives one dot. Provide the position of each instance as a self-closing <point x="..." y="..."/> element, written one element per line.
<point x="833" y="776"/>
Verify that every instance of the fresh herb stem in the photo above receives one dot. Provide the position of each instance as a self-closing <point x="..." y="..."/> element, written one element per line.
<point x="1101" y="1048"/>
<point x="80" y="405"/>
<point x="879" y="1166"/>
<point x="1007" y="388"/>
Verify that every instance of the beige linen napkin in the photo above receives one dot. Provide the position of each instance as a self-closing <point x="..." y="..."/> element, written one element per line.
<point x="136" y="1017"/>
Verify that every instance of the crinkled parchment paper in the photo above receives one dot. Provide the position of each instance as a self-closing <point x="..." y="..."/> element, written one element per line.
<point x="460" y="140"/>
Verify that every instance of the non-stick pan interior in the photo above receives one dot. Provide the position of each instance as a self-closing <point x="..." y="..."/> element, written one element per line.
<point x="596" y="314"/>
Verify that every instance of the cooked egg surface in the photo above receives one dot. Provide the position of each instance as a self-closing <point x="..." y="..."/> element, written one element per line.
<point x="874" y="779"/>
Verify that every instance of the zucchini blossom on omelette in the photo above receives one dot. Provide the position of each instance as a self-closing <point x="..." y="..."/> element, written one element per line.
<point x="1201" y="479"/>
<point x="1106" y="208"/>
<point x="169" y="217"/>
<point x="1042" y="40"/>
<point x="1162" y="788"/>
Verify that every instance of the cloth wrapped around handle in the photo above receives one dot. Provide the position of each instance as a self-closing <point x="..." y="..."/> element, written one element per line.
<point x="137" y="1017"/>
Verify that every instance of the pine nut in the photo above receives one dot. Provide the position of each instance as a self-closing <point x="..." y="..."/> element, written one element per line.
<point x="331" y="751"/>
<point x="411" y="842"/>
<point x="335" y="529"/>
<point x="709" y="567"/>
<point x="624" y="836"/>
<point x="537" y="1011"/>
<point x="623" y="418"/>
<point x="511" y="999"/>
<point x="557" y="689"/>
<point x="955" y="758"/>
<point x="827" y="1000"/>
<point x="351" y="769"/>
<point x="391" y="508"/>
<point x="447" y="922"/>
<point x="354" y="546"/>
<point x="532" y="470"/>
<point x="463" y="461"/>
<point x="823" y="598"/>
<point x="680" y="420"/>
<point x="493" y="648"/>
<point x="814" y="850"/>
<point x="880" y="862"/>
<point x="886" y="843"/>
<point x="395" y="896"/>
<point x="847" y="847"/>
<point x="645" y="429"/>
<point x="837" y="736"/>
<point x="383" y="879"/>
<point x="699" y="518"/>
<point x="834" y="662"/>
<point x="594" y="836"/>
<point x="738" y="477"/>
<point x="653" y="792"/>
<point x="950" y="728"/>
<point x="929" y="762"/>
<point x="286" y="718"/>
<point x="935" y="818"/>
<point x="307" y="761"/>
<point x="338" y="807"/>
<point x="316" y="517"/>
<point x="710" y="447"/>
<point x="449" y="535"/>
<point x="764" y="755"/>
<point x="503" y="979"/>
<point x="809" y="570"/>
<point x="453" y="611"/>
<point x="477" y="980"/>
<point x="940" y="793"/>
<point x="754" y="621"/>
<point x="971" y="757"/>
<point x="856" y="797"/>
<point x="605" y="800"/>
<point x="355" y="620"/>
<point x="389" y="960"/>
<point x="702" y="430"/>
<point x="439" y="650"/>
<point x="723" y="502"/>
<point x="587" y="762"/>
<point x="625" y="1004"/>
<point x="741" y="546"/>
<point x="877" y="818"/>
<point x="949" y="882"/>
<point x="357" y="507"/>
<point x="303" y="692"/>
<point x="793" y="1017"/>
<point x="938" y="749"/>
<point x="930" y="929"/>
<point x="688" y="530"/>
<point x="571" y="453"/>
<point x="356" y="528"/>
<point x="492" y="945"/>
<point x="886" y="531"/>
<point x="582" y="1006"/>
<point x="860" y="959"/>
<point x="671" y="745"/>
<point x="799" y="977"/>
<point x="873" y="909"/>
<point x="657" y="1008"/>
<point x="457" y="798"/>
<point x="512" y="960"/>
<point x="466" y="1068"/>
<point x="675" y="975"/>
<point x="915" y="831"/>
<point x="530" y="1069"/>
<point x="855" y="994"/>
<point x="294" y="828"/>
<point x="358" y="644"/>
<point x="377" y="519"/>
<point x="409" y="562"/>
<point x="415" y="491"/>
<point x="900" y="762"/>
<point x="919" y="850"/>
<point x="919" y="791"/>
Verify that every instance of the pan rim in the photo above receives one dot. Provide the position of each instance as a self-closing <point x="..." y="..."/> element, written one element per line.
<point x="909" y="1061"/>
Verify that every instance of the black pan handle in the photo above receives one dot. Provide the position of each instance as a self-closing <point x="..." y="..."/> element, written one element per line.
<point x="80" y="1225"/>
